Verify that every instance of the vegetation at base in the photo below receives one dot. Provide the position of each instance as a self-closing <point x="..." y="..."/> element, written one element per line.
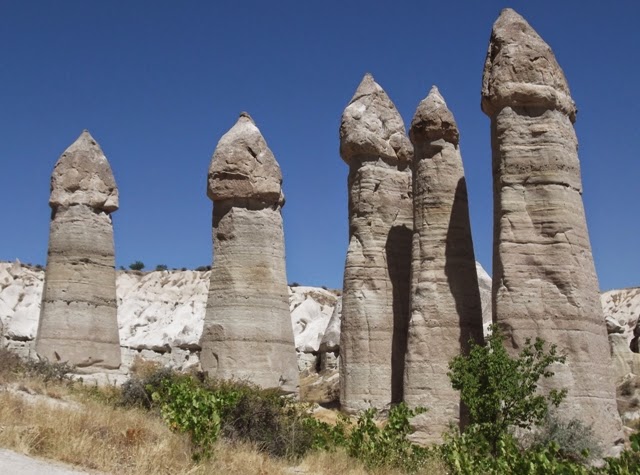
<point x="375" y="445"/>
<point x="211" y="418"/>
<point x="500" y="392"/>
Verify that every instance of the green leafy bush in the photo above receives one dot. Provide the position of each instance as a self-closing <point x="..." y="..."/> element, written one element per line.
<point x="500" y="391"/>
<point x="188" y="407"/>
<point x="161" y="267"/>
<point x="376" y="445"/>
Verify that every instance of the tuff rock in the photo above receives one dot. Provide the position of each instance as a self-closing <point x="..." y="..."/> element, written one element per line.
<point x="446" y="310"/>
<point x="247" y="328"/>
<point x="375" y="301"/>
<point x="78" y="322"/>
<point x="545" y="283"/>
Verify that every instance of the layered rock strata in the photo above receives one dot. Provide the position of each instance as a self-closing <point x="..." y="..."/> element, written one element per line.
<point x="545" y="283"/>
<point x="375" y="302"/>
<point x="247" y="328"/>
<point x="446" y="311"/>
<point x="78" y="321"/>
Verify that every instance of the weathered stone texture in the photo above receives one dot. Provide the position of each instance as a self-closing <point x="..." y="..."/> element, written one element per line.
<point x="78" y="320"/>
<point x="545" y="283"/>
<point x="375" y="302"/>
<point x="247" y="330"/>
<point x="446" y="310"/>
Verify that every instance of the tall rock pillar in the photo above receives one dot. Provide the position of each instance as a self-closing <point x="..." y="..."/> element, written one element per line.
<point x="247" y="329"/>
<point x="375" y="302"/>
<point x="545" y="283"/>
<point x="445" y="298"/>
<point x="78" y="317"/>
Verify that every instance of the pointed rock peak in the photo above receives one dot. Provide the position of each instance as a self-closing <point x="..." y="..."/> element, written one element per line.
<point x="85" y="141"/>
<point x="243" y="166"/>
<point x="433" y="120"/>
<point x="246" y="116"/>
<point x="521" y="69"/>
<point x="82" y="176"/>
<point x="372" y="127"/>
<point x="367" y="87"/>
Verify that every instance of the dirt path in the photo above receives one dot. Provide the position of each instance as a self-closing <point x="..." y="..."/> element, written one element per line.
<point x="13" y="463"/>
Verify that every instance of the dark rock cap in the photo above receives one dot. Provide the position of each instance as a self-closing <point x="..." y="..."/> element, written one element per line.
<point x="243" y="166"/>
<point x="521" y="69"/>
<point x="372" y="127"/>
<point x="82" y="176"/>
<point x="433" y="120"/>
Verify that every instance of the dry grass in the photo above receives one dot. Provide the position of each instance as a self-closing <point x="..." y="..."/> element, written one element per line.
<point x="100" y="437"/>
<point x="113" y="440"/>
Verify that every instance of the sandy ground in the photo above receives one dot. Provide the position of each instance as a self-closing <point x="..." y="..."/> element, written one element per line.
<point x="13" y="463"/>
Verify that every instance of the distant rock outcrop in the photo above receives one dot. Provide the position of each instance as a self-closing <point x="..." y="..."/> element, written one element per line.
<point x="78" y="322"/>
<point x="247" y="329"/>
<point x="446" y="311"/>
<point x="545" y="284"/>
<point x="375" y="302"/>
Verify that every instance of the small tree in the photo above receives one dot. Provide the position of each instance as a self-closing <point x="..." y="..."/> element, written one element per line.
<point x="137" y="265"/>
<point x="161" y="267"/>
<point x="501" y="391"/>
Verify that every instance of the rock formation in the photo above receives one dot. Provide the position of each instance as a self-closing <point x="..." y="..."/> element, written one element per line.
<point x="78" y="321"/>
<point x="247" y="329"/>
<point x="545" y="283"/>
<point x="446" y="311"/>
<point x="375" y="302"/>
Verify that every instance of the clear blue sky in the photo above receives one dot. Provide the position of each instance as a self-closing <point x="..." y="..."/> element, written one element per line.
<point x="157" y="83"/>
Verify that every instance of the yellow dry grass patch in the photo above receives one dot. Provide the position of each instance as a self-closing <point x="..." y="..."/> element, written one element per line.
<point x="112" y="440"/>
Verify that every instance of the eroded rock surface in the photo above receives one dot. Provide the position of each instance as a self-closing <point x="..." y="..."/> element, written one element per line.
<point x="375" y="302"/>
<point x="78" y="322"/>
<point x="446" y="310"/>
<point x="247" y="328"/>
<point x="545" y="283"/>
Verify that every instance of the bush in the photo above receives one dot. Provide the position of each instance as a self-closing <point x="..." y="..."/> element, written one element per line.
<point x="47" y="370"/>
<point x="264" y="417"/>
<point x="575" y="440"/>
<point x="137" y="265"/>
<point x="203" y="268"/>
<point x="376" y="447"/>
<point x="188" y="407"/>
<point x="499" y="391"/>
<point x="161" y="267"/>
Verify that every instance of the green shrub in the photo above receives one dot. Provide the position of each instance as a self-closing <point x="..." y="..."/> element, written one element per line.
<point x="375" y="446"/>
<point x="264" y="417"/>
<point x="138" y="391"/>
<point x="188" y="407"/>
<point x="161" y="267"/>
<point x="137" y="265"/>
<point x="499" y="391"/>
<point x="629" y="461"/>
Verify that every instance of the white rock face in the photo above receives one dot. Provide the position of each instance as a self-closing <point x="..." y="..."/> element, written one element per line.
<point x="623" y="305"/>
<point x="160" y="313"/>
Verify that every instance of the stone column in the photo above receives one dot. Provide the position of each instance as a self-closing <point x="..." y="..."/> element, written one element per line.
<point x="247" y="329"/>
<point x="375" y="302"/>
<point x="78" y="319"/>
<point x="545" y="284"/>
<point x="445" y="298"/>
